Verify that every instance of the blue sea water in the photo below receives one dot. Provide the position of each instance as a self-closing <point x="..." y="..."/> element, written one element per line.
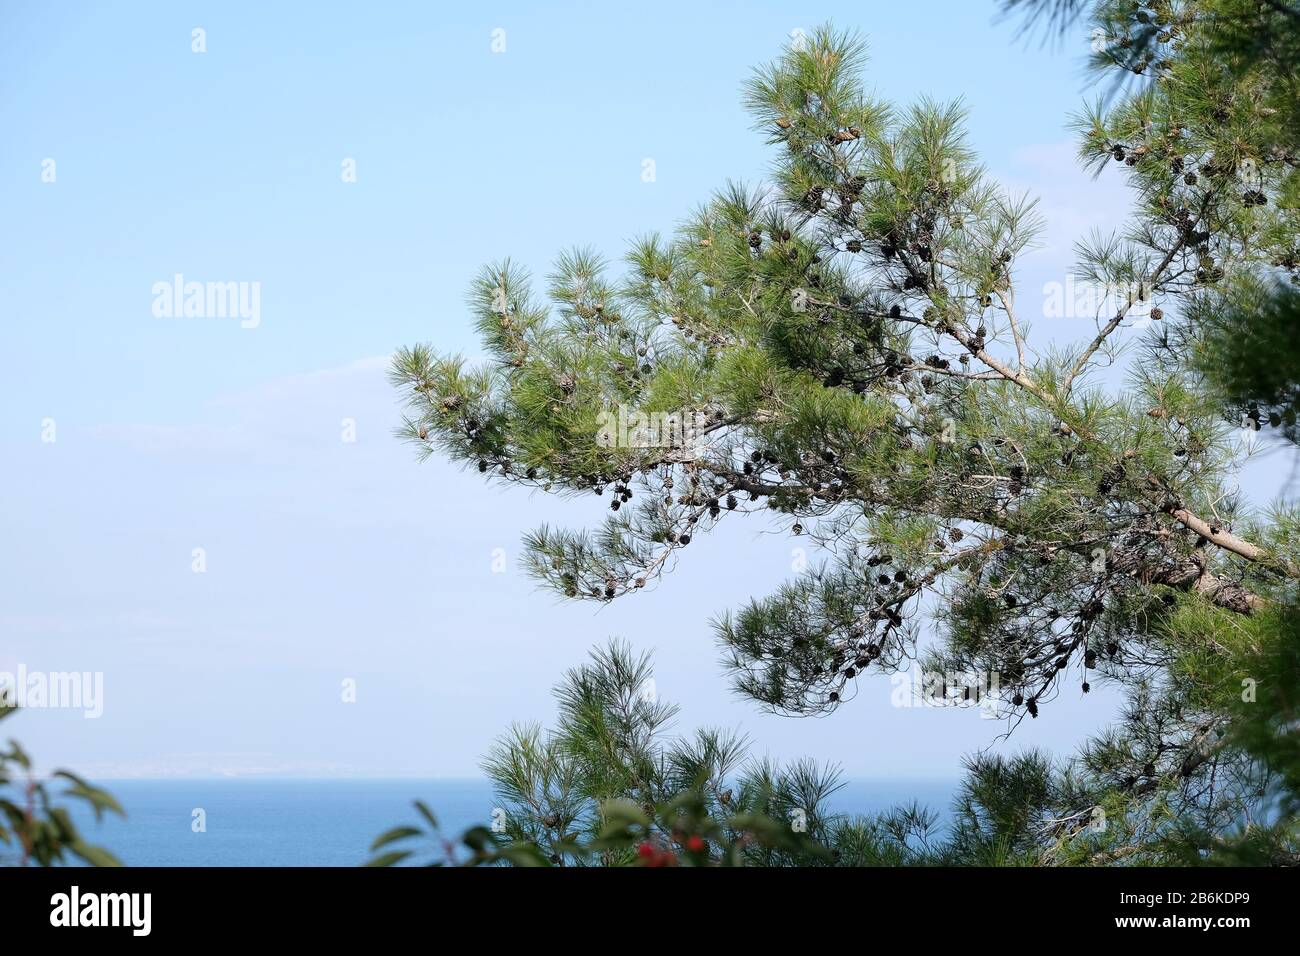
<point x="332" y="822"/>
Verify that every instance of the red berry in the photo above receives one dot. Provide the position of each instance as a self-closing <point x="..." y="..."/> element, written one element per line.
<point x="647" y="851"/>
<point x="696" y="844"/>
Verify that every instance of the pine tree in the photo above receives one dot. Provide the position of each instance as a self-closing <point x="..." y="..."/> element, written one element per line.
<point x="1223" y="79"/>
<point x="847" y="350"/>
<point x="609" y="785"/>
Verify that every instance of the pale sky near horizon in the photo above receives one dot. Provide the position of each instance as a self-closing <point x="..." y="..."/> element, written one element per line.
<point x="326" y="559"/>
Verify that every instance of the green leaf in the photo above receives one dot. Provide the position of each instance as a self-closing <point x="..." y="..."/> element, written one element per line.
<point x="67" y="829"/>
<point x="523" y="854"/>
<point x="624" y="813"/>
<point x="425" y="812"/>
<point x="94" y="855"/>
<point x="97" y="797"/>
<point x="19" y="755"/>
<point x="393" y="835"/>
<point x="478" y="839"/>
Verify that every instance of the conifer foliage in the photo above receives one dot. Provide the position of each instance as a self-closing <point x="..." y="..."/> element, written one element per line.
<point x="851" y="343"/>
<point x="612" y="785"/>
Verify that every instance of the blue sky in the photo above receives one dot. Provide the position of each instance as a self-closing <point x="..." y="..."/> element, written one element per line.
<point x="330" y="560"/>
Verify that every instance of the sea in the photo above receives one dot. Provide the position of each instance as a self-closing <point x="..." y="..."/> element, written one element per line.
<point x="297" y="822"/>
